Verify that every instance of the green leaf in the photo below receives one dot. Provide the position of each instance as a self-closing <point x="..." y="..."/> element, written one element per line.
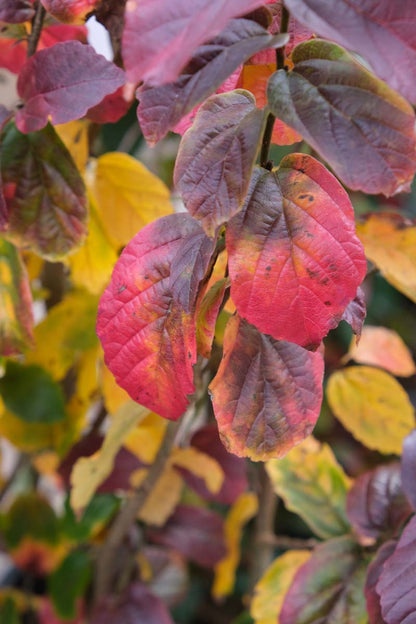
<point x="96" y="516"/>
<point x="8" y="612"/>
<point x="69" y="582"/>
<point x="30" y="516"/>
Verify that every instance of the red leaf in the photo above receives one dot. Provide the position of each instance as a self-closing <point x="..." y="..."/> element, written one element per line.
<point x="409" y="467"/>
<point x="196" y="533"/>
<point x="111" y="109"/>
<point x="364" y="129"/>
<point x="182" y="26"/>
<point x="355" y="313"/>
<point x="148" y="340"/>
<point x="373" y="574"/>
<point x="294" y="259"/>
<point x="137" y="605"/>
<point x="61" y="83"/>
<point x="267" y="393"/>
<point x="216" y="157"/>
<point x="16" y="11"/>
<point x="381" y="31"/>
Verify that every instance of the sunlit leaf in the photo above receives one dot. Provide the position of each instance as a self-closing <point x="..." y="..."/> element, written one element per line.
<point x="266" y="394"/>
<point x="372" y="405"/>
<point x="201" y="465"/>
<point x="313" y="485"/>
<point x="145" y="439"/>
<point x="295" y="261"/>
<point x="74" y="136"/>
<point x="383" y="347"/>
<point x="364" y="129"/>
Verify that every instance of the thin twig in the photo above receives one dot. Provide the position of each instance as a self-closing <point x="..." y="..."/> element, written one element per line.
<point x="37" y="23"/>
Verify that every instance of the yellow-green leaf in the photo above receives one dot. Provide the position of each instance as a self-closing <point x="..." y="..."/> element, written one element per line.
<point x="270" y="591"/>
<point x="201" y="465"/>
<point x="372" y="405"/>
<point x="383" y="347"/>
<point x="313" y="484"/>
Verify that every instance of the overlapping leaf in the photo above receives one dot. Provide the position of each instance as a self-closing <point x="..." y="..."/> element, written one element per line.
<point x="372" y="405"/>
<point x="355" y="313"/>
<point x="373" y="574"/>
<point x="364" y="129"/>
<point x="382" y="32"/>
<point x="148" y="340"/>
<point x="44" y="192"/>
<point x="295" y="262"/>
<point x="409" y="467"/>
<point x="207" y="316"/>
<point x="183" y="26"/>
<point x="266" y="394"/>
<point x="216" y="157"/>
<point x="383" y="347"/>
<point x="61" y="83"/>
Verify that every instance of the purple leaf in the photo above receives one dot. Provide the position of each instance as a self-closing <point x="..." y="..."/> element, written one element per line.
<point x="62" y="82"/>
<point x="373" y="574"/>
<point x="355" y="313"/>
<point x="16" y="11"/>
<point x="137" y="605"/>
<point x="409" y="467"/>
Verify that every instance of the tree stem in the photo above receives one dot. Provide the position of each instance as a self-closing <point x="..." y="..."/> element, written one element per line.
<point x="37" y="23"/>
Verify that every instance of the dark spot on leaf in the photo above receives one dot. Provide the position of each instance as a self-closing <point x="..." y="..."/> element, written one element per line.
<point x="312" y="274"/>
<point x="307" y="196"/>
<point x="327" y="303"/>
<point x="268" y="268"/>
<point x="121" y="288"/>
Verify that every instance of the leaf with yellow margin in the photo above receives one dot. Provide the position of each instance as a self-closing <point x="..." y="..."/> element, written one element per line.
<point x="390" y="242"/>
<point x="128" y="196"/>
<point x="74" y="135"/>
<point x="145" y="439"/>
<point x="243" y="510"/>
<point x="201" y="465"/>
<point x="89" y="472"/>
<point x="313" y="485"/>
<point x="162" y="499"/>
<point x="270" y="591"/>
<point x="372" y="405"/>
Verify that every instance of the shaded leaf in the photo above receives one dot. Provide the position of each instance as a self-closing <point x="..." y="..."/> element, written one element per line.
<point x="313" y="485"/>
<point x="383" y="347"/>
<point x="266" y="393"/>
<point x="52" y="84"/>
<point x="196" y="533"/>
<point x="381" y="32"/>
<point x="390" y="242"/>
<point x="372" y="405"/>
<point x="243" y="510"/>
<point x="373" y="574"/>
<point x="44" y="192"/>
<point x="148" y="340"/>
<point x="112" y="108"/>
<point x="201" y="465"/>
<point x="409" y="467"/>
<point x="30" y="515"/>
<point x="397" y="584"/>
<point x="207" y="314"/>
<point x="376" y="503"/>
<point x="270" y="590"/>
<point x="16" y="315"/>
<point x="16" y="11"/>
<point x="182" y="26"/>
<point x="295" y="261"/>
<point x="355" y="313"/>
<point x="136" y="604"/>
<point x="328" y="588"/>
<point x="69" y="582"/>
<point x="364" y="129"/>
<point x="216" y="157"/>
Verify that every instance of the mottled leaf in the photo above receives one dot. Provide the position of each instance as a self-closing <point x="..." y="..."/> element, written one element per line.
<point x="372" y="405"/>
<point x="328" y="588"/>
<point x="295" y="261"/>
<point x="16" y="315"/>
<point x="161" y="108"/>
<point x="243" y="510"/>
<point x="397" y="583"/>
<point x="380" y="31"/>
<point x="373" y="574"/>
<point x="207" y="314"/>
<point x="182" y="26"/>
<point x="313" y="485"/>
<point x="355" y="313"/>
<point x="68" y="582"/>
<point x="61" y="83"/>
<point x="216" y="157"/>
<point x="148" y="340"/>
<point x="198" y="534"/>
<point x="376" y="503"/>
<point x="16" y="11"/>
<point x="409" y="467"/>
<point x="266" y="394"/>
<point x="44" y="192"/>
<point x="383" y="347"/>
<point x="390" y="242"/>
<point x="136" y="604"/>
<point x="364" y="129"/>
<point x="270" y="590"/>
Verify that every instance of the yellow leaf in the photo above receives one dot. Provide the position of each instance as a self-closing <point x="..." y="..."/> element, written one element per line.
<point x="390" y="242"/>
<point x="46" y="463"/>
<point x="87" y="382"/>
<point x="145" y="439"/>
<point x="372" y="405"/>
<point x="313" y="485"/>
<point x="271" y="589"/>
<point x="162" y="499"/>
<point x="240" y="513"/>
<point x="383" y="347"/>
<point x="74" y="135"/>
<point x="201" y="465"/>
<point x="114" y="396"/>
<point x="128" y="196"/>
<point x="89" y="473"/>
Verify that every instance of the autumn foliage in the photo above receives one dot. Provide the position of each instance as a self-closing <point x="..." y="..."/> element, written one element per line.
<point x="168" y="346"/>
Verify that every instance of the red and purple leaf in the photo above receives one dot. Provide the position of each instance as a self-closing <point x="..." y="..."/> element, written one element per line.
<point x="148" y="339"/>
<point x="294" y="259"/>
<point x="360" y="126"/>
<point x="409" y="467"/>
<point x="16" y="11"/>
<point x="266" y="394"/>
<point x="328" y="588"/>
<point x="381" y="31"/>
<point x="355" y="313"/>
<point x="161" y="108"/>
<point x="111" y="109"/>
<point x="397" y="584"/>
<point x="376" y="503"/>
<point x="44" y="192"/>
<point x="137" y="604"/>
<point x="62" y="82"/>
<point x="373" y="574"/>
<point x="182" y="26"/>
<point x="216" y="157"/>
